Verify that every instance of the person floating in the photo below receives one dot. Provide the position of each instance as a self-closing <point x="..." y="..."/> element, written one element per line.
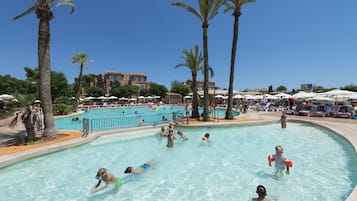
<point x="103" y="175"/>
<point x="280" y="161"/>
<point x="141" y="169"/>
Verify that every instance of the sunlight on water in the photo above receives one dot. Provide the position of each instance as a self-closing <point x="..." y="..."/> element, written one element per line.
<point x="228" y="168"/>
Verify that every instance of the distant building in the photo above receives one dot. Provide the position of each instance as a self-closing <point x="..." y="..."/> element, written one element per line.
<point x="306" y="87"/>
<point x="134" y="79"/>
<point x="256" y="91"/>
<point x="211" y="85"/>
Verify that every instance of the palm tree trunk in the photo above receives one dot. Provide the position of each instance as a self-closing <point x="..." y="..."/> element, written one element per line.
<point x="45" y="77"/>
<point x="229" y="112"/>
<point x="195" y="113"/>
<point x="78" y="92"/>
<point x="205" y="66"/>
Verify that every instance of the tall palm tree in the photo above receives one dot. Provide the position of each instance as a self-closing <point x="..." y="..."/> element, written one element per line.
<point x="43" y="10"/>
<point x="193" y="61"/>
<point x="82" y="58"/>
<point x="234" y="5"/>
<point x="208" y="9"/>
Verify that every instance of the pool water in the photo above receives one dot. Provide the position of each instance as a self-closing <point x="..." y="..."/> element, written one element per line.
<point x="152" y="115"/>
<point x="228" y="168"/>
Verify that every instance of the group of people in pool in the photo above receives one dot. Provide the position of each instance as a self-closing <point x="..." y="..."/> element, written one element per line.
<point x="108" y="178"/>
<point x="281" y="162"/>
<point x="169" y="132"/>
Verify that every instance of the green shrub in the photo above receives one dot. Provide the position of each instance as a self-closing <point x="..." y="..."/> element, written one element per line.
<point x="61" y="109"/>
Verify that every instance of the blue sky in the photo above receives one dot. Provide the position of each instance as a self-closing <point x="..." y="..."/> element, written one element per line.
<point x="281" y="42"/>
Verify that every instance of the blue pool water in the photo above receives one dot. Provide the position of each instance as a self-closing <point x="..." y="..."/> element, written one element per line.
<point x="152" y="115"/>
<point x="228" y="168"/>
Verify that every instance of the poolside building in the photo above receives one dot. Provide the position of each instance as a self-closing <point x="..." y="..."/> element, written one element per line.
<point x="200" y="83"/>
<point x="134" y="79"/>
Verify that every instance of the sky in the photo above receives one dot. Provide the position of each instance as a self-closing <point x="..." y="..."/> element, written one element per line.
<point x="280" y="42"/>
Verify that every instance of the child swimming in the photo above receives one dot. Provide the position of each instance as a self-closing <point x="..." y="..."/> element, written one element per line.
<point x="103" y="175"/>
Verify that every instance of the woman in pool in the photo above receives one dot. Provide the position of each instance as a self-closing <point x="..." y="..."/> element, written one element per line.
<point x="139" y="169"/>
<point x="108" y="178"/>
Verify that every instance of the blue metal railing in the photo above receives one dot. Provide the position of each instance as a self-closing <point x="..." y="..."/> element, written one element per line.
<point x="133" y="121"/>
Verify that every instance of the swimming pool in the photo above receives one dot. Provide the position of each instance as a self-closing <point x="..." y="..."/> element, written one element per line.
<point x="229" y="168"/>
<point x="152" y="116"/>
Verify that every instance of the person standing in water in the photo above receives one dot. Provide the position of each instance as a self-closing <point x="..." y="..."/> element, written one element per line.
<point x="283" y="120"/>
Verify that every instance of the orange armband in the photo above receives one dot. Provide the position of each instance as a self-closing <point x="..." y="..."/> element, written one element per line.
<point x="288" y="163"/>
<point x="270" y="158"/>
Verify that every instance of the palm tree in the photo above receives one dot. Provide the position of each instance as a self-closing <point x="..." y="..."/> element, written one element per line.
<point x="43" y="10"/>
<point x="234" y="5"/>
<point x="208" y="9"/>
<point x="82" y="58"/>
<point x="193" y="61"/>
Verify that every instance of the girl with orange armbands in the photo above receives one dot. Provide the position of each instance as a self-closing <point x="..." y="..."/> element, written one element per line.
<point x="280" y="161"/>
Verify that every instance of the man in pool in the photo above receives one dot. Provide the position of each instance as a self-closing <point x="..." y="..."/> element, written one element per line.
<point x="103" y="175"/>
<point x="140" y="169"/>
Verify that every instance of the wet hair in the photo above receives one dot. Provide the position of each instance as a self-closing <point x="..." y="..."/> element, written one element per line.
<point x="261" y="190"/>
<point x="128" y="170"/>
<point x="279" y="148"/>
<point x="207" y="135"/>
<point x="100" y="174"/>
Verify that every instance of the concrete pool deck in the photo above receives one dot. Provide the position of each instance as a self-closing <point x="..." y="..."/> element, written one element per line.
<point x="346" y="128"/>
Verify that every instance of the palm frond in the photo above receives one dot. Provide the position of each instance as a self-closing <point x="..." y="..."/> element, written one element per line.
<point x="28" y="11"/>
<point x="67" y="3"/>
<point x="188" y="8"/>
<point x="215" y="8"/>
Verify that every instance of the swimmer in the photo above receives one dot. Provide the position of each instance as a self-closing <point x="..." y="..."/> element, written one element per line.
<point x="180" y="133"/>
<point x="164" y="118"/>
<point x="75" y="119"/>
<point x="103" y="175"/>
<point x="205" y="137"/>
<point x="141" y="169"/>
<point x="261" y="191"/>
